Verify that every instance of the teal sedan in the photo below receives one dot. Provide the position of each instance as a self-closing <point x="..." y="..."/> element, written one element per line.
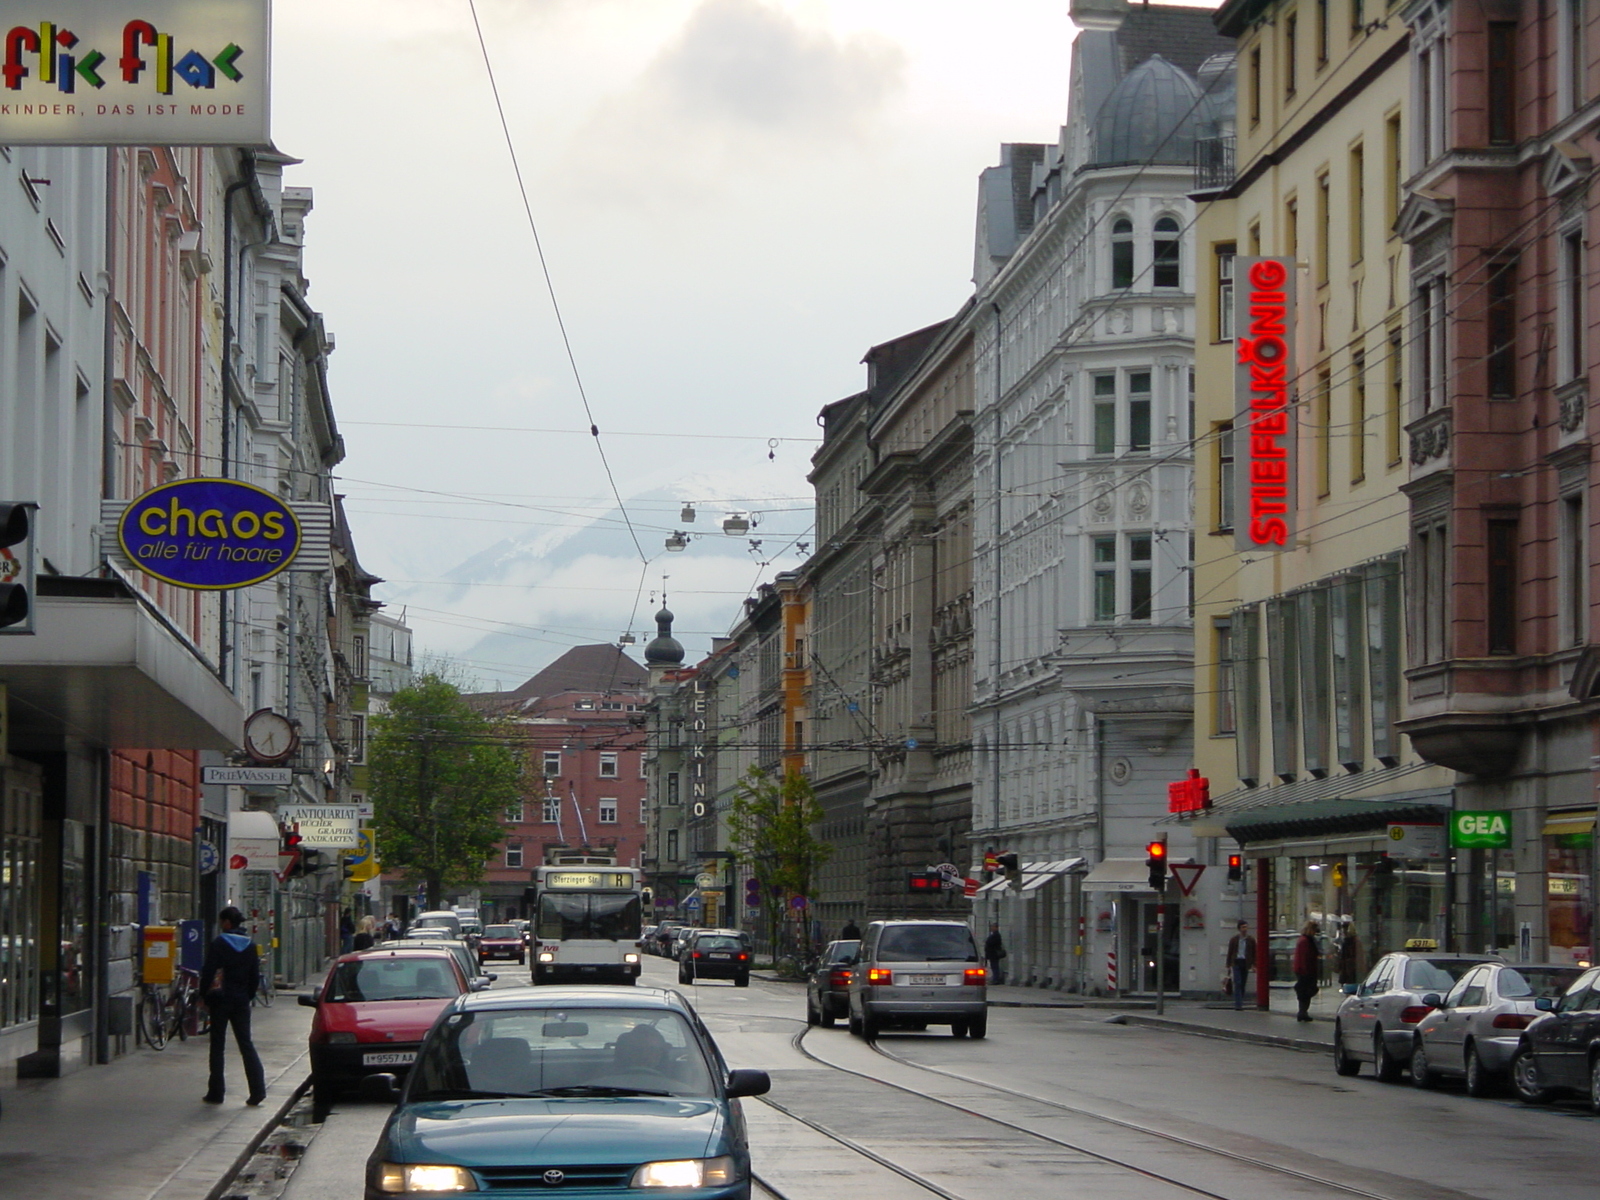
<point x="615" y="1091"/>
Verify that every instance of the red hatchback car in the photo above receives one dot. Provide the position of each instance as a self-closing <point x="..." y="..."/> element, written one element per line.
<point x="502" y="941"/>
<point x="373" y="1011"/>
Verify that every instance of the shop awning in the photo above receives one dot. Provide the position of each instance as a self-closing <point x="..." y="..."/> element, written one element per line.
<point x="1310" y="818"/>
<point x="1118" y="875"/>
<point x="1572" y="821"/>
<point x="1034" y="875"/>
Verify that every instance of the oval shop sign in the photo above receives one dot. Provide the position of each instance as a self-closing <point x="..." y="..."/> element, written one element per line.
<point x="209" y="534"/>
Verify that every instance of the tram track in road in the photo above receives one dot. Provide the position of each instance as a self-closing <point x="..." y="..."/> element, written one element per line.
<point x="1304" y="1183"/>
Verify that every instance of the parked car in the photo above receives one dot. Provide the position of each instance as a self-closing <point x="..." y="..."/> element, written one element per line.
<point x="676" y="939"/>
<point x="1376" y="1020"/>
<point x="828" y="985"/>
<point x="912" y="974"/>
<point x="715" y="954"/>
<point x="502" y="941"/>
<point x="373" y="1011"/>
<point x="439" y="918"/>
<point x="465" y="958"/>
<point x="663" y="938"/>
<point x="596" y="1088"/>
<point x="1475" y="1029"/>
<point x="1560" y="1050"/>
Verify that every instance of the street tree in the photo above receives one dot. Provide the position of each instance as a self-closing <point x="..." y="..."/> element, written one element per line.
<point x="771" y="824"/>
<point x="440" y="776"/>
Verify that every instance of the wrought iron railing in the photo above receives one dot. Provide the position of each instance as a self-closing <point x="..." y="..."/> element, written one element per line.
<point x="1213" y="163"/>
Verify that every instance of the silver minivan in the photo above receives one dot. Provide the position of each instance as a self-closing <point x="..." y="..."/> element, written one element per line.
<point x="912" y="974"/>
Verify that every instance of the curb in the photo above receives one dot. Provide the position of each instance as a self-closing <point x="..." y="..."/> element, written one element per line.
<point x="1282" y="1041"/>
<point x="276" y="1118"/>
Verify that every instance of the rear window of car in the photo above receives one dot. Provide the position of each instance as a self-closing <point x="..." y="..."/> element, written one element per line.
<point x="500" y="931"/>
<point x="1436" y="974"/>
<point x="718" y="943"/>
<point x="393" y="979"/>
<point x="842" y="951"/>
<point x="1522" y="982"/>
<point x="926" y="943"/>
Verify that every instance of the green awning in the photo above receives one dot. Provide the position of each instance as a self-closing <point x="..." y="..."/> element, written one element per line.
<point x="1311" y="818"/>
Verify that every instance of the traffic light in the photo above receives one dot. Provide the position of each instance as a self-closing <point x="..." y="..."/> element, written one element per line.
<point x="1235" y="868"/>
<point x="16" y="568"/>
<point x="925" y="881"/>
<point x="1012" y="868"/>
<point x="291" y="847"/>
<point x="1155" y="857"/>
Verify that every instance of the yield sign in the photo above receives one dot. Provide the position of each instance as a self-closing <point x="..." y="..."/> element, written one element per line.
<point x="1187" y="875"/>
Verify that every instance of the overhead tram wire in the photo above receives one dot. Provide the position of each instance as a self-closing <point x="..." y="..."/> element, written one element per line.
<point x="549" y="283"/>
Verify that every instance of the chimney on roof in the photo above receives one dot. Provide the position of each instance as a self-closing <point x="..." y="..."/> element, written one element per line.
<point x="1102" y="16"/>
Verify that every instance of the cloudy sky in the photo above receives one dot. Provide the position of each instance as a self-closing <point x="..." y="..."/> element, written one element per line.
<point x="736" y="198"/>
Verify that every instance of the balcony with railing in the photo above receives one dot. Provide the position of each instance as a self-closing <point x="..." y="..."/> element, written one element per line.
<point x="1213" y="163"/>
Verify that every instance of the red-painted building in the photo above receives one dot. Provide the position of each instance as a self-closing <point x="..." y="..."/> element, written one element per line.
<point x="582" y="724"/>
<point x="1504" y="669"/>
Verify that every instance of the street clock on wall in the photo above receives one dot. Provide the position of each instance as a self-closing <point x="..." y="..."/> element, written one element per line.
<point x="269" y="737"/>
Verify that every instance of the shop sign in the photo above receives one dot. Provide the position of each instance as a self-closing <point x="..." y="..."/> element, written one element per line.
<point x="324" y="827"/>
<point x="1264" y="425"/>
<point x="1416" y="841"/>
<point x="151" y="73"/>
<point x="252" y="854"/>
<point x="209" y="534"/>
<point x="1189" y="794"/>
<point x="1480" y="830"/>
<point x="258" y="776"/>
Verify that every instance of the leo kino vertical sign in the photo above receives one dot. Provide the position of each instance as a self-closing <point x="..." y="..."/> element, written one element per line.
<point x="1264" y="426"/>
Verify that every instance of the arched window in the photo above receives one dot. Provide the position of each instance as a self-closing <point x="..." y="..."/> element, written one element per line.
<point x="1122" y="253"/>
<point x="1165" y="267"/>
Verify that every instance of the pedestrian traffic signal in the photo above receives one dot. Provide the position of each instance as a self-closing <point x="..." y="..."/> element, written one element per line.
<point x="1235" y="868"/>
<point x="16" y="568"/>
<point x="1155" y="857"/>
<point x="925" y="881"/>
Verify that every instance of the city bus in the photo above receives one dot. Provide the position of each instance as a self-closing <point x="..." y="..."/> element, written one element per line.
<point x="586" y="924"/>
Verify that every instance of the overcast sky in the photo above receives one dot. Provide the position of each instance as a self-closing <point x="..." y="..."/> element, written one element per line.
<point x="736" y="199"/>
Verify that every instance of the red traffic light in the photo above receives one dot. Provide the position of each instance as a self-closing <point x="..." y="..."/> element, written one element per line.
<point x="926" y="881"/>
<point x="1156" y="851"/>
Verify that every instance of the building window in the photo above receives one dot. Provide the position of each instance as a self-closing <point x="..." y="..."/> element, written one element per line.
<point x="1167" y="266"/>
<point x="1430" y="345"/>
<point x="1122" y="253"/>
<point x="1501" y="548"/>
<point x="1291" y="52"/>
<point x="1105" y="414"/>
<point x="1324" y="220"/>
<point x="1224" y="263"/>
<point x="1140" y="598"/>
<point x="673" y="796"/>
<point x="358" y="656"/>
<point x="1358" y="417"/>
<point x="1322" y="420"/>
<point x="1394" y="418"/>
<point x="1225" y="480"/>
<point x="358" y="739"/>
<point x="514" y="856"/>
<point x="1322" y="33"/>
<point x="513" y="814"/>
<point x="1358" y="203"/>
<point x="608" y="811"/>
<point x="1424" y="62"/>
<point x="608" y="764"/>
<point x="644" y="812"/>
<point x="1574" y="569"/>
<point x="552" y="764"/>
<point x="552" y="810"/>
<point x="1572" y="287"/>
<point x="1255" y="85"/>
<point x="1138" y="410"/>
<point x="672" y="845"/>
<point x="1502" y="330"/>
<point x="1431" y="595"/>
<point x="1576" y="59"/>
<point x="1358" y="17"/>
<point x="644" y="768"/>
<point x="1502" y="98"/>
<point x="1394" y="171"/>
<point x="1291" y="227"/>
<point x="1105" y="578"/>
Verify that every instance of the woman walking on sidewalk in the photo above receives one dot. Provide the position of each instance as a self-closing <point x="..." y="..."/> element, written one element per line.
<point x="230" y="976"/>
<point x="1307" y="963"/>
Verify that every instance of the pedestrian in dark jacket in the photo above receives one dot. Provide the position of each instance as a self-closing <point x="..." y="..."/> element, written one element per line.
<point x="229" y="979"/>
<point x="1307" y="964"/>
<point x="994" y="949"/>
<point x="850" y="932"/>
<point x="1241" y="957"/>
<point x="366" y="933"/>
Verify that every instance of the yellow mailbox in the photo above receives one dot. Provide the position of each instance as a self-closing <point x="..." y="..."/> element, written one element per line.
<point x="160" y="953"/>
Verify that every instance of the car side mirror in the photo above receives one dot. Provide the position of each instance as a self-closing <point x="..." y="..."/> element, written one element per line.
<point x="1349" y="989"/>
<point x="1433" y="1000"/>
<point x="491" y="976"/>
<point x="1544" y="1003"/>
<point x="748" y="1083"/>
<point x="308" y="999"/>
<point x="480" y="984"/>
<point x="383" y="1088"/>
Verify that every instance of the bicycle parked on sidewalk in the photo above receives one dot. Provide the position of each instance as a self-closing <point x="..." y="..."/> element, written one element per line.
<point x="187" y="1014"/>
<point x="152" y="1022"/>
<point x="264" y="989"/>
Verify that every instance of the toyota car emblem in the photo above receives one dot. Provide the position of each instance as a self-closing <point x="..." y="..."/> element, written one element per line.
<point x="553" y="1177"/>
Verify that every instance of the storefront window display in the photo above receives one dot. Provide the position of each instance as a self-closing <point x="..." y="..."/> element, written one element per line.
<point x="1367" y="904"/>
<point x="1569" y="861"/>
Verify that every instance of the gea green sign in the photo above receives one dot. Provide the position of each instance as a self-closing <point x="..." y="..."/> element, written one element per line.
<point x="1480" y="830"/>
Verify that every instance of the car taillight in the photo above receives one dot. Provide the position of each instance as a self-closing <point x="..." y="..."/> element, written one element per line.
<point x="1412" y="1013"/>
<point x="744" y="957"/>
<point x="1511" y="1021"/>
<point x="838" y="979"/>
<point x="697" y="954"/>
<point x="975" y="975"/>
<point x="879" y="975"/>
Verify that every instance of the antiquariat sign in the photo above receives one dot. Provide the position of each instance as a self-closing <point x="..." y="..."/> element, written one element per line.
<point x="137" y="73"/>
<point x="209" y="534"/>
<point x="324" y="826"/>
<point x="1264" y="425"/>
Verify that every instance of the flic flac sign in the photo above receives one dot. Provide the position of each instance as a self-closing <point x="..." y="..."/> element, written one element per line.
<point x="209" y="534"/>
<point x="1264" y="426"/>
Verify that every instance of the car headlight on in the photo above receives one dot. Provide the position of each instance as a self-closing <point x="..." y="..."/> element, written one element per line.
<point x="341" y="1038"/>
<point x="424" y="1177"/>
<point x="685" y="1173"/>
<point x="630" y="958"/>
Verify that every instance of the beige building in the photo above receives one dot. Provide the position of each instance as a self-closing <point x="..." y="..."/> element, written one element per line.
<point x="1299" y="647"/>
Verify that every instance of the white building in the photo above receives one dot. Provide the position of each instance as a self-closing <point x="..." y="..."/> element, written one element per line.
<point x="1083" y="499"/>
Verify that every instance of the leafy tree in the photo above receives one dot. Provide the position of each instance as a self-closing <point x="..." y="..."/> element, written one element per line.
<point x="440" y="776"/>
<point x="770" y="824"/>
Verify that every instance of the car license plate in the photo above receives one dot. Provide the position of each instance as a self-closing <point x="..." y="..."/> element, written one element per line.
<point x="722" y="956"/>
<point x="927" y="980"/>
<point x="393" y="1058"/>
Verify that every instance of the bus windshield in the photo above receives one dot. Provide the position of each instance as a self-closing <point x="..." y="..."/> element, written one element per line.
<point x="589" y="916"/>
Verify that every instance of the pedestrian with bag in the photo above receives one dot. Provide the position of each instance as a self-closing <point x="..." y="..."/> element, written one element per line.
<point x="1240" y="958"/>
<point x="994" y="949"/>
<point x="1306" y="966"/>
<point x="230" y="975"/>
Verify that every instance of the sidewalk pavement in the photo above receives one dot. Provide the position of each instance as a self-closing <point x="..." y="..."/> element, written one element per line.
<point x="136" y="1129"/>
